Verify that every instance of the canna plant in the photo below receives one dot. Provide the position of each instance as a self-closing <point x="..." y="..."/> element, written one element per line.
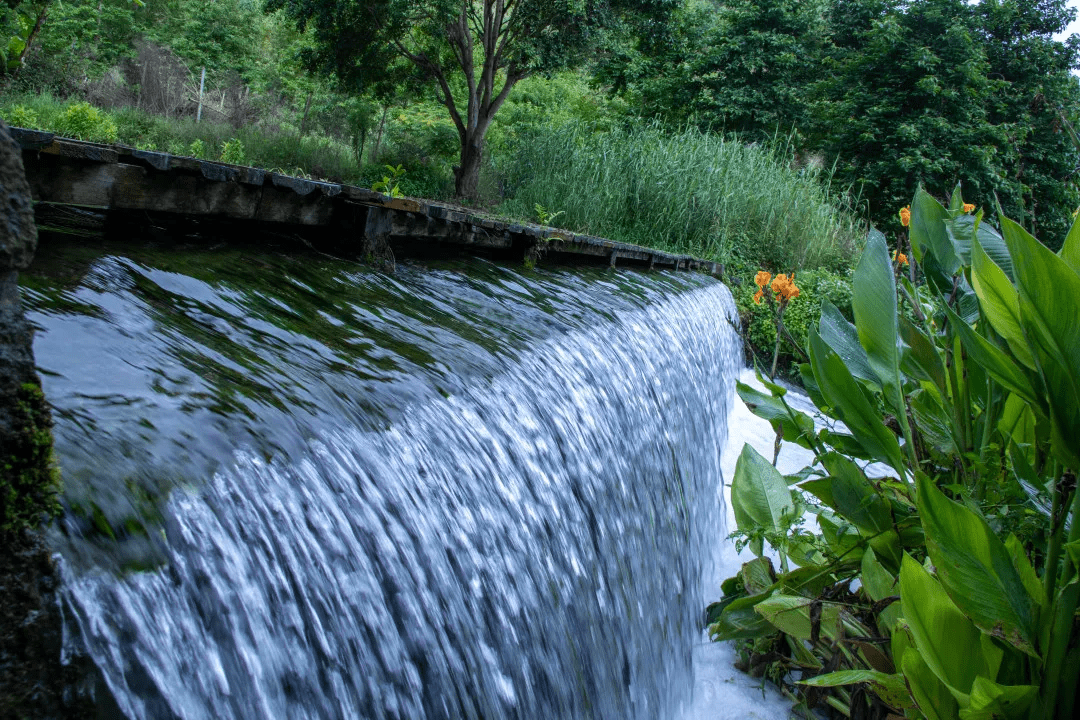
<point x="944" y="482"/>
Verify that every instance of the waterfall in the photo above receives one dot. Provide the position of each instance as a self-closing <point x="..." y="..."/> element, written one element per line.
<point x="304" y="490"/>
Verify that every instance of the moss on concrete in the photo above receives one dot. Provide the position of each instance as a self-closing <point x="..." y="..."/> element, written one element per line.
<point x="29" y="478"/>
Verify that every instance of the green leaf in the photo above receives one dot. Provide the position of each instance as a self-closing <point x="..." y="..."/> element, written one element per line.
<point x="1070" y="249"/>
<point x="946" y="640"/>
<point x="791" y="615"/>
<point x="879" y="584"/>
<point x="1000" y="302"/>
<point x="795" y="425"/>
<point x="990" y="700"/>
<point x="757" y="575"/>
<point x="848" y="399"/>
<point x="920" y="355"/>
<point x="1049" y="296"/>
<point x="760" y="495"/>
<point x="994" y="361"/>
<point x="931" y="695"/>
<point x="975" y="569"/>
<point x="874" y="303"/>
<point x="855" y="498"/>
<point x="890" y="688"/>
<point x="842" y="337"/>
<point x="738" y="621"/>
<point x="927" y="232"/>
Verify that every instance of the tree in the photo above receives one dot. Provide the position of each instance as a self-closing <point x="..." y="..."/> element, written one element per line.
<point x="904" y="102"/>
<point x="1039" y="95"/>
<point x="474" y="51"/>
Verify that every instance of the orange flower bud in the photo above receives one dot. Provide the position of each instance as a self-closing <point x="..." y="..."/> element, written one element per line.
<point x="762" y="278"/>
<point x="968" y="207"/>
<point x="905" y="216"/>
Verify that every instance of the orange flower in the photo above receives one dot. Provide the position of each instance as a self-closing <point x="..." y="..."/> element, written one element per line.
<point x="785" y="287"/>
<point x="901" y="258"/>
<point x="758" y="295"/>
<point x="968" y="207"/>
<point x="905" y="216"/>
<point x="762" y="278"/>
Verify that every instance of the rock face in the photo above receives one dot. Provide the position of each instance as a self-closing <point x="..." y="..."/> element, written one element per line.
<point x="33" y="683"/>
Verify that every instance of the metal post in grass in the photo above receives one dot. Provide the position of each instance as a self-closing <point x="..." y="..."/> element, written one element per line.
<point x="202" y="84"/>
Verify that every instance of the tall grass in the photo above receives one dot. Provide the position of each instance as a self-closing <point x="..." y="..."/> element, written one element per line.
<point x="685" y="191"/>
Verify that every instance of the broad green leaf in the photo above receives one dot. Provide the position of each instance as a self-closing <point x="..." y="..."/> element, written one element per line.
<point x="956" y="200"/>
<point x="975" y="569"/>
<point x="990" y="701"/>
<point x="759" y="494"/>
<point x="1049" y="297"/>
<point x="993" y="246"/>
<point x="890" y="688"/>
<point x="850" y="402"/>
<point x="920" y="355"/>
<point x="994" y="361"/>
<point x="791" y="615"/>
<point x="934" y="422"/>
<point x="874" y="303"/>
<point x="1000" y="302"/>
<point x="842" y="337"/>
<point x="757" y="575"/>
<point x="1017" y="421"/>
<point x="931" y="695"/>
<point x="1027" y="573"/>
<point x="945" y="639"/>
<point x="927" y="232"/>
<point x="738" y="621"/>
<point x="844" y="444"/>
<point x="855" y="498"/>
<point x="794" y="424"/>
<point x="1070" y="249"/>
<point x="879" y="584"/>
<point x="961" y="231"/>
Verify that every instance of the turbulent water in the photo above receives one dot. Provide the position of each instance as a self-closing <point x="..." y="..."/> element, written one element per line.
<point x="298" y="488"/>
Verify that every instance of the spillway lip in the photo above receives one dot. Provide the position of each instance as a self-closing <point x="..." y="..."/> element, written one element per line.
<point x="301" y="201"/>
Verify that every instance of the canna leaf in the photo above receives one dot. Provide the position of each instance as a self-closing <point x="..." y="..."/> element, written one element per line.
<point x="944" y="638"/>
<point x="1000" y="302"/>
<point x="874" y="303"/>
<point x="931" y="695"/>
<point x="760" y="495"/>
<point x="1070" y="249"/>
<point x="842" y="337"/>
<point x="976" y="569"/>
<point x="994" y="361"/>
<point x="790" y="614"/>
<point x="850" y="402"/>
<point x="990" y="701"/>
<point x="928" y="235"/>
<point x="890" y="688"/>
<point x="1049" y="290"/>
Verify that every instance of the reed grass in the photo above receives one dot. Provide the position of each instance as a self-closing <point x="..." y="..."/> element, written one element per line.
<point x="686" y="191"/>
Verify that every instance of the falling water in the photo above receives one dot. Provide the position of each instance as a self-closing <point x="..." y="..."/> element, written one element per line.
<point x="297" y="488"/>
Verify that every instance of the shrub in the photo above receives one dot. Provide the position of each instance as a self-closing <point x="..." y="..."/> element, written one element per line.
<point x="21" y="116"/>
<point x="233" y="152"/>
<point x="83" y="121"/>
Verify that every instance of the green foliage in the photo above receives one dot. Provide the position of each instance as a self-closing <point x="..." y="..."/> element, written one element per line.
<point x="197" y="149"/>
<point x="687" y="191"/>
<point x="233" y="152"/>
<point x="545" y="216"/>
<point x="816" y="286"/>
<point x="85" y="122"/>
<point x="965" y="390"/>
<point x="29" y="479"/>
<point x="389" y="183"/>
<point x="21" y="116"/>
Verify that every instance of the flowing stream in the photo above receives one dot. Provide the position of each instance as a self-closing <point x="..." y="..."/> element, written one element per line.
<point x="299" y="488"/>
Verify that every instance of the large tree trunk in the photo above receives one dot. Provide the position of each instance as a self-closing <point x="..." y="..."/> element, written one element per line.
<point x="467" y="174"/>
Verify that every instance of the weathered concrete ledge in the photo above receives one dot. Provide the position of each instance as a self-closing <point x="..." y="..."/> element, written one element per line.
<point x="100" y="179"/>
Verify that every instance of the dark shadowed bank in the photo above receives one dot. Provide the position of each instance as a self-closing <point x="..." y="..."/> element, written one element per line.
<point x="33" y="683"/>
